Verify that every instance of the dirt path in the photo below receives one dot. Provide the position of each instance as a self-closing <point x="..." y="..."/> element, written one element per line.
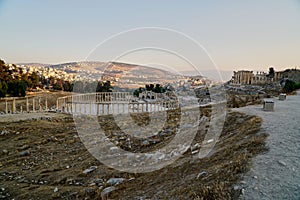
<point x="276" y="174"/>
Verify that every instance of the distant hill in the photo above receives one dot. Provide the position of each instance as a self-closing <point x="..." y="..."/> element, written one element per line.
<point x="34" y="64"/>
<point x="87" y="65"/>
<point x="116" y="67"/>
<point x="116" y="70"/>
<point x="212" y="74"/>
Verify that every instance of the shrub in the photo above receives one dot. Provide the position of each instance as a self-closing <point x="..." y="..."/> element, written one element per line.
<point x="290" y="86"/>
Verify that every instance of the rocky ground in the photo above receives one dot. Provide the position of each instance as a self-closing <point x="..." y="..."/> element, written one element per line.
<point x="246" y="95"/>
<point x="43" y="158"/>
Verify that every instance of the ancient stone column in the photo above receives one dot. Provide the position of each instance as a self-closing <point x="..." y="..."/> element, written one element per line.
<point x="6" y="107"/>
<point x="40" y="105"/>
<point x="46" y="104"/>
<point x="33" y="105"/>
<point x="97" y="109"/>
<point x="14" y="105"/>
<point x="27" y="105"/>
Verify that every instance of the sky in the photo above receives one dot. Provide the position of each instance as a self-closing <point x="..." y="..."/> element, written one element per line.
<point x="233" y="34"/>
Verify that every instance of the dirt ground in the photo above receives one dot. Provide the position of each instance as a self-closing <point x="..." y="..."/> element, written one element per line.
<point x="42" y="157"/>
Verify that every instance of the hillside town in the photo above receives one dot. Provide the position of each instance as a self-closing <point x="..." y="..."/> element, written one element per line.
<point x="122" y="76"/>
<point x="245" y="87"/>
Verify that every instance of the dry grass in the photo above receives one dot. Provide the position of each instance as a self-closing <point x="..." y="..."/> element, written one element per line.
<point x="58" y="157"/>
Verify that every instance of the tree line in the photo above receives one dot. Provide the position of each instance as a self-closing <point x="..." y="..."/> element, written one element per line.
<point x="14" y="82"/>
<point x="90" y="87"/>
<point x="157" y="88"/>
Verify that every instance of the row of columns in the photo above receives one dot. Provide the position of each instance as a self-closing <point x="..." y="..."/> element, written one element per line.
<point x="116" y="107"/>
<point x="15" y="101"/>
<point x="109" y="103"/>
<point x="94" y="97"/>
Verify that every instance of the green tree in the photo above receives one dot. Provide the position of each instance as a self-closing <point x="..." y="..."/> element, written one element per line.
<point x="3" y="89"/>
<point x="99" y="87"/>
<point x="67" y="86"/>
<point x="17" y="88"/>
<point x="27" y="80"/>
<point x="137" y="92"/>
<point x="107" y="86"/>
<point x="104" y="87"/>
<point x="57" y="86"/>
<point x="34" y="78"/>
<point x="149" y="87"/>
<point x="22" y="88"/>
<point x="271" y="72"/>
<point x="158" y="89"/>
<point x="290" y="86"/>
<point x="5" y="73"/>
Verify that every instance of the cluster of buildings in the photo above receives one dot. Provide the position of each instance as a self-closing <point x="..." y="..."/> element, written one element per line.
<point x="45" y="71"/>
<point x="121" y="75"/>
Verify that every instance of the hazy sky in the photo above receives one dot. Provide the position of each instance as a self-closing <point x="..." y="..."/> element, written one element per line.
<point x="237" y="34"/>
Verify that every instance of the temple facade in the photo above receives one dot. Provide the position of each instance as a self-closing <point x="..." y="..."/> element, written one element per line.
<point x="244" y="77"/>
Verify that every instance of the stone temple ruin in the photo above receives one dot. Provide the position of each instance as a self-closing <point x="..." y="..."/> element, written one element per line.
<point x="248" y="87"/>
<point x="245" y="77"/>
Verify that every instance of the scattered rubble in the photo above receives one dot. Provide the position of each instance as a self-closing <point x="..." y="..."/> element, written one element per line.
<point x="55" y="189"/>
<point x="107" y="190"/>
<point x="50" y="156"/>
<point x="114" y="181"/>
<point x="89" y="170"/>
<point x="24" y="153"/>
<point x="204" y="173"/>
<point x="281" y="162"/>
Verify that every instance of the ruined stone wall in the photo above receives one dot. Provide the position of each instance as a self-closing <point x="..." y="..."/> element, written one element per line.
<point x="291" y="74"/>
